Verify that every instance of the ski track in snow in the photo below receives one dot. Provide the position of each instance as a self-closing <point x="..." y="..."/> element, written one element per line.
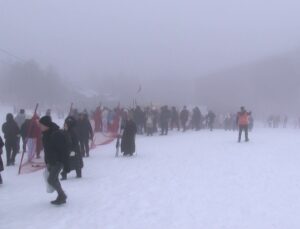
<point x="184" y="180"/>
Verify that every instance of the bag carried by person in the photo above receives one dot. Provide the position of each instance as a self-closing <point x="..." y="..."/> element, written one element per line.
<point x="49" y="188"/>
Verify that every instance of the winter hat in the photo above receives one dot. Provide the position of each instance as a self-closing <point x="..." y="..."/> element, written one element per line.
<point x="70" y="122"/>
<point x="9" y="117"/>
<point x="46" y="121"/>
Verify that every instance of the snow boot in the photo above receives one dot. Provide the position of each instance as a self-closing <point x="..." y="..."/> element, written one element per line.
<point x="61" y="199"/>
<point x="78" y="173"/>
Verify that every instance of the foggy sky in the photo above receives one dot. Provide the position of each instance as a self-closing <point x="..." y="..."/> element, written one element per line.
<point x="157" y="38"/>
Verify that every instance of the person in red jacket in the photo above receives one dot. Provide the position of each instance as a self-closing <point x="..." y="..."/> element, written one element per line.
<point x="98" y="120"/>
<point x="32" y="134"/>
<point x="243" y="123"/>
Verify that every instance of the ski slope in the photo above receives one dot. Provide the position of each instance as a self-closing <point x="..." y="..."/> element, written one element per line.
<point x="184" y="180"/>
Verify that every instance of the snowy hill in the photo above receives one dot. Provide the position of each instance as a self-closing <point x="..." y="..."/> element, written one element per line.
<point x="269" y="85"/>
<point x="184" y="180"/>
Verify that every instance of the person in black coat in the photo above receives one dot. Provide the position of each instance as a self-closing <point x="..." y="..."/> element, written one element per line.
<point x="128" y="137"/>
<point x="196" y="118"/>
<point x="211" y="119"/>
<point x="75" y="156"/>
<point x="139" y="119"/>
<point x="85" y="133"/>
<point x="174" y="119"/>
<point x="164" y="120"/>
<point x="56" y="155"/>
<point x="184" y="116"/>
<point x="11" y="131"/>
<point x="1" y="162"/>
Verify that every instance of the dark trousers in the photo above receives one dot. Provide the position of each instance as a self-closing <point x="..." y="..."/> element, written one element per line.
<point x="175" y="123"/>
<point x="11" y="151"/>
<point x="154" y="126"/>
<point x="24" y="144"/>
<point x="149" y="131"/>
<point x="197" y="125"/>
<point x="64" y="173"/>
<point x="84" y="147"/>
<point x="18" y="144"/>
<point x="211" y="126"/>
<point x="75" y="163"/>
<point x="183" y="123"/>
<point x="53" y="180"/>
<point x="164" y="128"/>
<point x="245" y="129"/>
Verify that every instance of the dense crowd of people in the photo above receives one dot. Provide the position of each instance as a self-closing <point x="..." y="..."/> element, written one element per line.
<point x="64" y="149"/>
<point x="150" y="120"/>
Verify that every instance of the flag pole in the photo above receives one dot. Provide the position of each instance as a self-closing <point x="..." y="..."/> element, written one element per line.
<point x="71" y="108"/>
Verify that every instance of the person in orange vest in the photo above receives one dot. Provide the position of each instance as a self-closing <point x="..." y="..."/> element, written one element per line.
<point x="243" y="123"/>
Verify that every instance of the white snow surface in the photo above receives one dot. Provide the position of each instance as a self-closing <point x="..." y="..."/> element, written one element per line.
<point x="183" y="180"/>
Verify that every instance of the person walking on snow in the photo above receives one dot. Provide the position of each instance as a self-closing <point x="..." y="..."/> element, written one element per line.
<point x="184" y="116"/>
<point x="211" y="120"/>
<point x="56" y="156"/>
<point x="11" y="131"/>
<point x="85" y="133"/>
<point x="128" y="137"/>
<point x="74" y="155"/>
<point x="243" y="123"/>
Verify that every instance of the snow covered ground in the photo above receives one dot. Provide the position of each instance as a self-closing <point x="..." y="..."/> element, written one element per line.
<point x="184" y="180"/>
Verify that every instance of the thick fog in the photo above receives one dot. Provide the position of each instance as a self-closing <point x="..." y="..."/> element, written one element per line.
<point x="179" y="52"/>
